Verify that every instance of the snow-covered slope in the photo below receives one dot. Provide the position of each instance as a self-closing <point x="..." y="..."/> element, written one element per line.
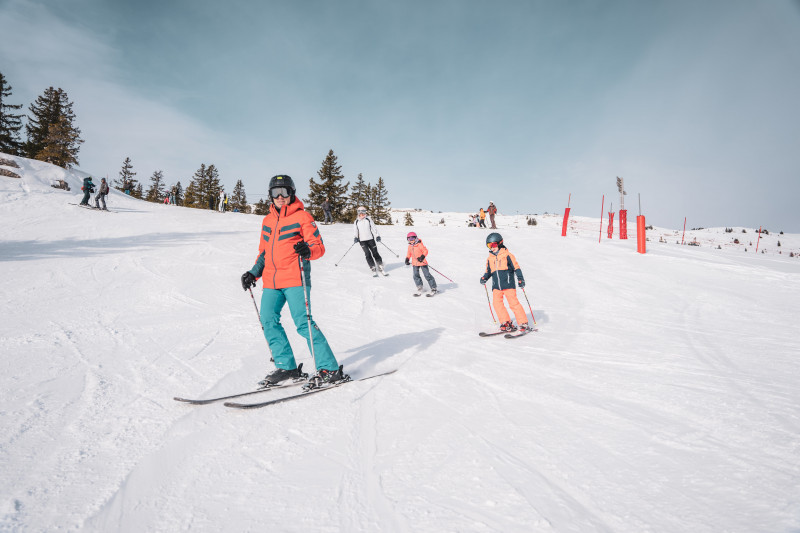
<point x="659" y="394"/>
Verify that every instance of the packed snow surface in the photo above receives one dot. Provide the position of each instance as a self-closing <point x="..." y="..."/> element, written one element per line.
<point x="660" y="392"/>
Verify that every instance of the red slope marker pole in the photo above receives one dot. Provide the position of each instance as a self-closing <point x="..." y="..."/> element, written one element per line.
<point x="684" y="229"/>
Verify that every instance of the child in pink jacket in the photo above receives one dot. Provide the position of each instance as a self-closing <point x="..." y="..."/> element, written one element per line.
<point x="417" y="256"/>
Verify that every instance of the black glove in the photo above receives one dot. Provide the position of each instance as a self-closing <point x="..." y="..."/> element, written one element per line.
<point x="421" y="258"/>
<point x="248" y="280"/>
<point x="521" y="283"/>
<point x="408" y="261"/>
<point x="378" y="238"/>
<point x="355" y="240"/>
<point x="483" y="281"/>
<point x="302" y="249"/>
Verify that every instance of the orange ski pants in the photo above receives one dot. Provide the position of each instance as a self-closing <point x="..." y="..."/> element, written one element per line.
<point x="513" y="303"/>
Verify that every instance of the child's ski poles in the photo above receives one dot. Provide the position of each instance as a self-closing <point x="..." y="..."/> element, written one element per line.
<point x="529" y="304"/>
<point x="490" y="303"/>
<point x="445" y="277"/>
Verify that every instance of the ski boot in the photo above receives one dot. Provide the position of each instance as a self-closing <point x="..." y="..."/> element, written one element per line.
<point x="279" y="375"/>
<point x="508" y="327"/>
<point x="324" y="378"/>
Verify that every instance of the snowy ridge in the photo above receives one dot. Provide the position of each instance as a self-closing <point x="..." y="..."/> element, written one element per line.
<point x="659" y="394"/>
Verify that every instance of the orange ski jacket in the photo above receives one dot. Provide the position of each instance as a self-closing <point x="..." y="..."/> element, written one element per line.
<point x="501" y="268"/>
<point x="415" y="250"/>
<point x="277" y="262"/>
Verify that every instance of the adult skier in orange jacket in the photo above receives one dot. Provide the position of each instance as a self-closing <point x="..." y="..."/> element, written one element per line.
<point x="289" y="240"/>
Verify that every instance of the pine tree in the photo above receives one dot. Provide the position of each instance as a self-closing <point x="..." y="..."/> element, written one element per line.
<point x="409" y="220"/>
<point x="126" y="181"/>
<point x="329" y="187"/>
<point x="203" y="191"/>
<point x="358" y="196"/>
<point x="262" y="207"/>
<point x="369" y="199"/>
<point x="381" y="203"/>
<point x="156" y="191"/>
<point x="52" y="110"/>
<point x="191" y="198"/>
<point x="10" y="123"/>
<point x="61" y="144"/>
<point x="238" y="199"/>
<point x="137" y="192"/>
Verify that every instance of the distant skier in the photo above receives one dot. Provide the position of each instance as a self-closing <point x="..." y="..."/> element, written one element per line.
<point x="482" y="218"/>
<point x="417" y="256"/>
<point x="501" y="266"/>
<point x="367" y="235"/>
<point x="492" y="210"/>
<point x="326" y="209"/>
<point x="221" y="205"/>
<point x="101" y="195"/>
<point x="289" y="238"/>
<point x="88" y="189"/>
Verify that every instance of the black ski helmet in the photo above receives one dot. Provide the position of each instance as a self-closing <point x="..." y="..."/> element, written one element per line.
<point x="282" y="180"/>
<point x="494" y="237"/>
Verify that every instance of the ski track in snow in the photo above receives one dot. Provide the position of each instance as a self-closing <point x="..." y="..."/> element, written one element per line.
<point x="659" y="393"/>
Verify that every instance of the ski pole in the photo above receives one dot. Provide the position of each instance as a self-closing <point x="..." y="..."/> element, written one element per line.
<point x="347" y="252"/>
<point x="445" y="277"/>
<point x="390" y="249"/>
<point x="259" y="321"/>
<point x="490" y="303"/>
<point x="308" y="311"/>
<point x="529" y="304"/>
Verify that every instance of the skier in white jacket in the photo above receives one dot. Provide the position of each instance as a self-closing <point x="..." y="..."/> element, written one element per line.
<point x="366" y="234"/>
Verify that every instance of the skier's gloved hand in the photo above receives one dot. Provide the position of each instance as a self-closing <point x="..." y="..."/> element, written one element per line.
<point x="521" y="283"/>
<point x="421" y="258"/>
<point x="302" y="249"/>
<point x="378" y="238"/>
<point x="483" y="281"/>
<point x="355" y="240"/>
<point x="408" y="261"/>
<point x="248" y="280"/>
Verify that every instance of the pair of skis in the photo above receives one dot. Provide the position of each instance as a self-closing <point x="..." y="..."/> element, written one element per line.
<point x="508" y="334"/>
<point x="428" y="294"/>
<point x="86" y="206"/>
<point x="238" y="405"/>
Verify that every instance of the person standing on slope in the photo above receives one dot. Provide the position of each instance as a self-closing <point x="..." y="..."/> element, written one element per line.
<point x="88" y="189"/>
<point x="417" y="256"/>
<point x="289" y="240"/>
<point x="367" y="235"/>
<point x="482" y="218"/>
<point x="326" y="210"/>
<point x="501" y="266"/>
<point x="492" y="210"/>
<point x="101" y="195"/>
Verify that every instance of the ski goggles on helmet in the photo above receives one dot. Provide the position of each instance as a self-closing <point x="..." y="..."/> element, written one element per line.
<point x="412" y="239"/>
<point x="492" y="244"/>
<point x="280" y="191"/>
<point x="362" y="211"/>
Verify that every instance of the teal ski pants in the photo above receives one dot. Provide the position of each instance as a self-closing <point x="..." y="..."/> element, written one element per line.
<point x="272" y="301"/>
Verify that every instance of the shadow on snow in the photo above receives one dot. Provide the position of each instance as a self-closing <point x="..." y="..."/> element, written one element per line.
<point x="74" y="247"/>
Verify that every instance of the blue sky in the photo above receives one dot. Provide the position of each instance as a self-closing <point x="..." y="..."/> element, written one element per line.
<point x="453" y="103"/>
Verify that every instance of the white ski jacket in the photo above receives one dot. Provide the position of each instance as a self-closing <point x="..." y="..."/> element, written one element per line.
<point x="365" y="229"/>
